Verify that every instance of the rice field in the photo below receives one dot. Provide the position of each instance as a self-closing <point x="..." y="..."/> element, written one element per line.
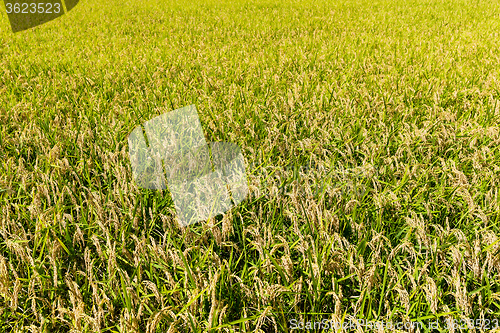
<point x="370" y="132"/>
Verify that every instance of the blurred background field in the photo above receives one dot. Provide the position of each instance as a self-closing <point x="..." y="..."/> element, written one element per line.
<point x="400" y="100"/>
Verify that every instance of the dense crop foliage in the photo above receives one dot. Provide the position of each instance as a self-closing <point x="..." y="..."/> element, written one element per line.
<point x="370" y="132"/>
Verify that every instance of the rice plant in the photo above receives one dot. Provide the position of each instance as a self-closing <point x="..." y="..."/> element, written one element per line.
<point x="370" y="135"/>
